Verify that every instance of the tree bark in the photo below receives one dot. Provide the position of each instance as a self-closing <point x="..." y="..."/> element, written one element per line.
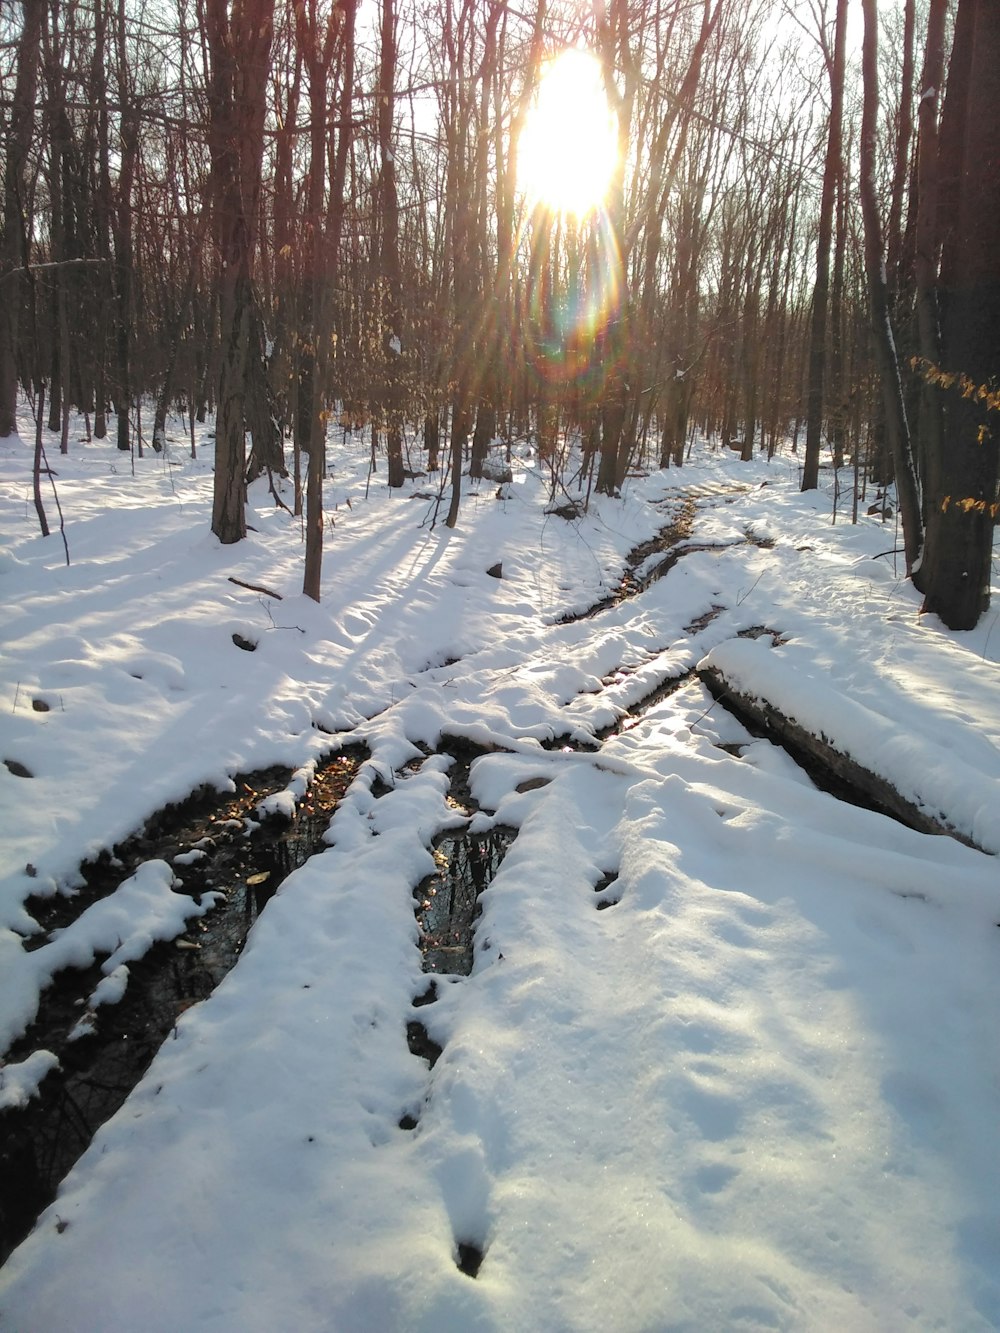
<point x="392" y="298"/>
<point x="14" y="255"/>
<point x="927" y="253"/>
<point x="896" y="426"/>
<point x="832" y="168"/>
<point x="240" y="45"/>
<point x="963" y="511"/>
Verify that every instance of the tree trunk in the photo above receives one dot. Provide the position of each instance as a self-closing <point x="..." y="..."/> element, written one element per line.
<point x="817" y="336"/>
<point x="460" y="425"/>
<point x="392" y="332"/>
<point x="14" y="254"/>
<point x="240" y="47"/>
<point x="962" y="515"/>
<point x="927" y="254"/>
<point x="483" y="435"/>
<point x="896" y="426"/>
<point x="122" y="220"/>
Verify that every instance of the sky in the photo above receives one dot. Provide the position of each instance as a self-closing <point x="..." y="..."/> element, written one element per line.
<point x="726" y="1058"/>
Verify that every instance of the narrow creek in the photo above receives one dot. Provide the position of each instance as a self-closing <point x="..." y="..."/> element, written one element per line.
<point x="447" y="907"/>
<point x="249" y="860"/>
<point x="245" y="858"/>
<point x="447" y="902"/>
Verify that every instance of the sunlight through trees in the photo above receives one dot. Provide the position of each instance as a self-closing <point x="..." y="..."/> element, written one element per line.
<point x="450" y="223"/>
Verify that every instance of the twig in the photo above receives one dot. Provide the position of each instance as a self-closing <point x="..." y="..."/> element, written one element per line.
<point x="55" y="495"/>
<point x="256" y="587"/>
<point x="742" y="596"/>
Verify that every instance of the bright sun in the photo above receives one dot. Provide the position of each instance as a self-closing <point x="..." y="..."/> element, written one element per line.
<point x="568" y="148"/>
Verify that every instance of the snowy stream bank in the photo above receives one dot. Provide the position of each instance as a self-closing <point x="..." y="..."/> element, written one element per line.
<point x="757" y="1089"/>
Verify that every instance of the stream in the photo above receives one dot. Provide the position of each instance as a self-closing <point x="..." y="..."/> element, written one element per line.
<point x="248" y="859"/>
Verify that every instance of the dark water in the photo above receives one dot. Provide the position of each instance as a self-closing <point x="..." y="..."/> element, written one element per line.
<point x="41" y="1141"/>
<point x="448" y="901"/>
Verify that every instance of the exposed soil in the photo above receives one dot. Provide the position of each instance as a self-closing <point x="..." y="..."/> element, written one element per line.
<point x="247" y="860"/>
<point x="639" y="574"/>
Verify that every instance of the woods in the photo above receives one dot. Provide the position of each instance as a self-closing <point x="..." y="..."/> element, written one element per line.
<point x="288" y="216"/>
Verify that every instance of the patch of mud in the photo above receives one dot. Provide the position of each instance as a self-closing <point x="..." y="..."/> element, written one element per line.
<point x="469" y="1258"/>
<point x="448" y="901"/>
<point x="243" y="858"/>
<point x="639" y="572"/>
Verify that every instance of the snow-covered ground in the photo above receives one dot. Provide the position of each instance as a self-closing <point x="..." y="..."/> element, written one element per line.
<point x="761" y="1090"/>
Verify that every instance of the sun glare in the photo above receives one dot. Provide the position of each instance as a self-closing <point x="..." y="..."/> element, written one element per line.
<point x="568" y="148"/>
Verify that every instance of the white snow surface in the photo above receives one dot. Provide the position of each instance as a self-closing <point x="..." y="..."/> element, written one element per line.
<point x="760" y="1090"/>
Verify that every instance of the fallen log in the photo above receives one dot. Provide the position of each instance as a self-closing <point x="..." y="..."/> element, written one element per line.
<point x="830" y="768"/>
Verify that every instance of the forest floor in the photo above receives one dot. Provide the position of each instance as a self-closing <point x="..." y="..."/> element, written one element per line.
<point x="578" y="1006"/>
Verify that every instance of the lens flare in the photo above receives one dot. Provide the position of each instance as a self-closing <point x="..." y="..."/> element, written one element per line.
<point x="570" y="320"/>
<point x="568" y="148"/>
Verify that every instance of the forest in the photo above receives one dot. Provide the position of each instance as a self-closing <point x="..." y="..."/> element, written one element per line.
<point x="289" y="215"/>
<point x="499" y="700"/>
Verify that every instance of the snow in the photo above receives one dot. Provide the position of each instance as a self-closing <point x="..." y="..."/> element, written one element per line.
<point x="757" y="1090"/>
<point x="18" y="1082"/>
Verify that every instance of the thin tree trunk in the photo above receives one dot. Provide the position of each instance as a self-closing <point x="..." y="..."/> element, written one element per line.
<point x="817" y="335"/>
<point x="390" y="270"/>
<point x="36" y="473"/>
<point x="897" y="429"/>
<point x="15" y="252"/>
<point x="927" y="257"/>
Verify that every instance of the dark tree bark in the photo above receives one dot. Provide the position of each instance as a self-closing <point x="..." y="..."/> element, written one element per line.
<point x="14" y="252"/>
<point x="239" y="40"/>
<point x="325" y="229"/>
<point x="955" y="575"/>
<point x="896" y="426"/>
<point x="927" y="253"/>
<point x="432" y="439"/>
<point x="122" y="219"/>
<point x="102" y="216"/>
<point x="895" y="250"/>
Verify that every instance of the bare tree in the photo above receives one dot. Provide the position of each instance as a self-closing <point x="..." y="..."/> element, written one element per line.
<point x="832" y="168"/>
<point x="962" y="509"/>
<point x="239" y="40"/>
<point x="897" y="428"/>
<point x="14" y="245"/>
